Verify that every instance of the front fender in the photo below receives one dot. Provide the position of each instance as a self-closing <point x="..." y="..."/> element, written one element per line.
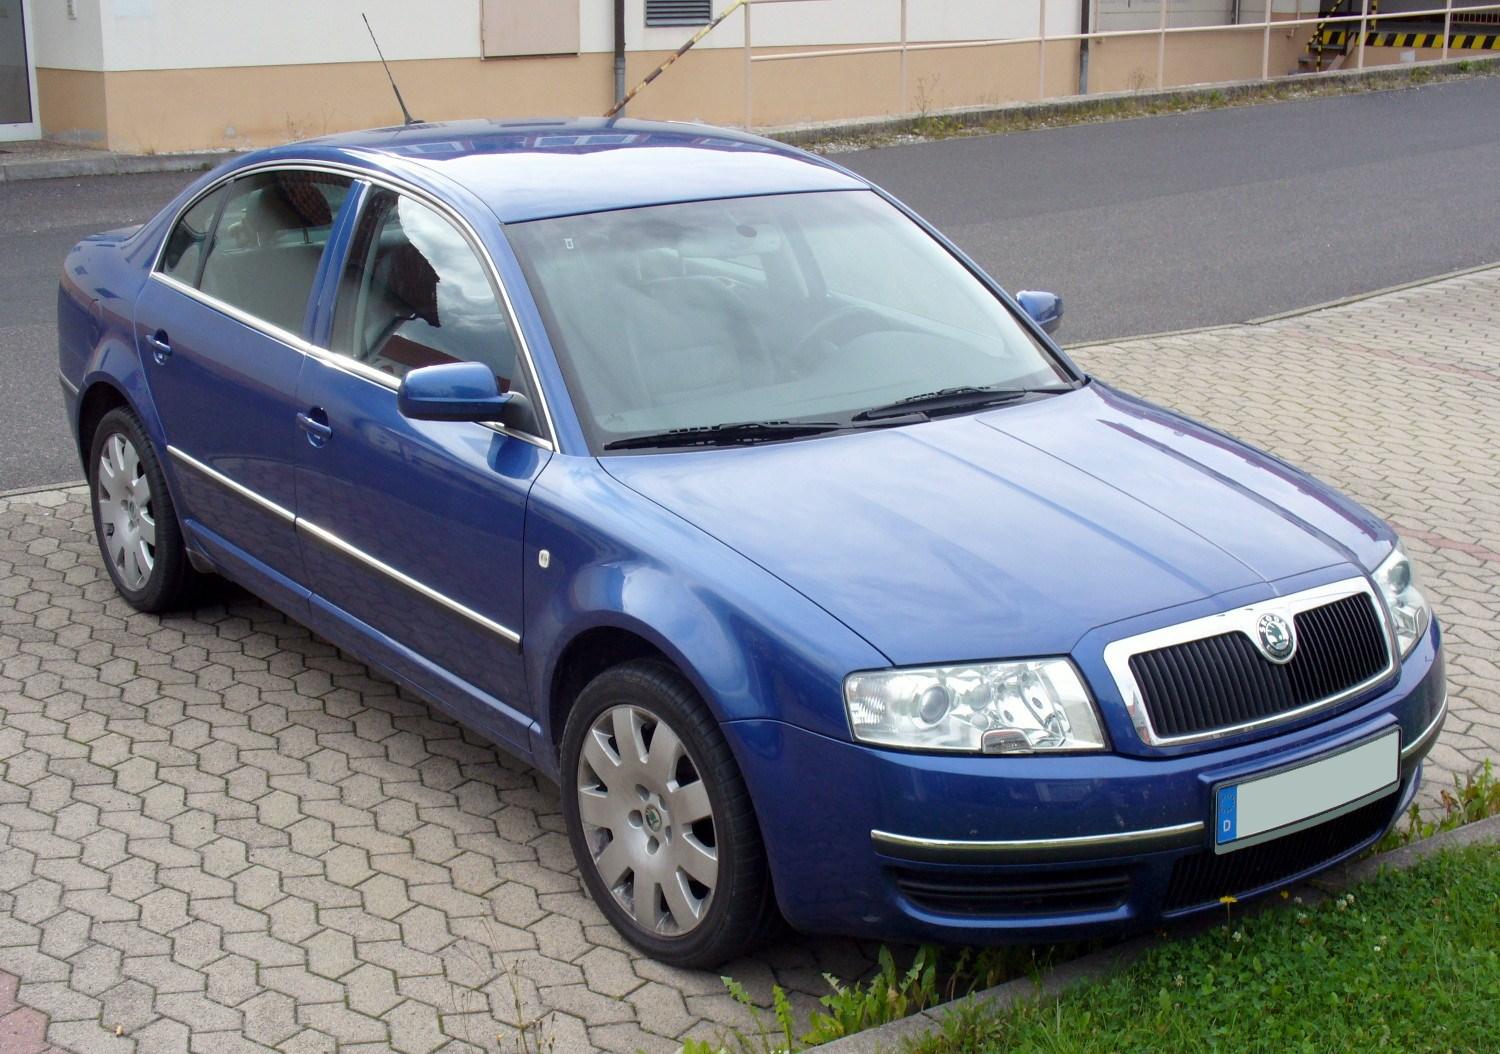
<point x="753" y="647"/>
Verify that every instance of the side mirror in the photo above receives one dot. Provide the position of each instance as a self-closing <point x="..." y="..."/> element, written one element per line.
<point x="461" y="391"/>
<point x="1045" y="309"/>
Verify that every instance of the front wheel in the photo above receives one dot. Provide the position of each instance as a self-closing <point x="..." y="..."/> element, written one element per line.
<point x="134" y="520"/>
<point x="660" y="819"/>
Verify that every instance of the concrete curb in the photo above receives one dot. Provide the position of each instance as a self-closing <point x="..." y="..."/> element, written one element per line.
<point x="1110" y="103"/>
<point x="41" y="488"/>
<point x="1282" y="316"/>
<point x="888" y="1038"/>
<point x="107" y="164"/>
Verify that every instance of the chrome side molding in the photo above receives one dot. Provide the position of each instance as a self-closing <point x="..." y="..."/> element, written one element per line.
<point x="222" y="480"/>
<point x="332" y="540"/>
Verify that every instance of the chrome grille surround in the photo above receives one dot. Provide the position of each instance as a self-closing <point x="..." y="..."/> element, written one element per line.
<point x="1245" y="620"/>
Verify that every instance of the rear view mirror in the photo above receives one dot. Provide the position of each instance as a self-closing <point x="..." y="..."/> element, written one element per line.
<point x="461" y="391"/>
<point x="1046" y="309"/>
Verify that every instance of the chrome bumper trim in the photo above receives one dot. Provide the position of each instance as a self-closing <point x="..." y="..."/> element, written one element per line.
<point x="1089" y="846"/>
<point x="72" y="388"/>
<point x="1429" y="732"/>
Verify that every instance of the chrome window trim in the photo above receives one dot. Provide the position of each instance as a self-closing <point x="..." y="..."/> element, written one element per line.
<point x="1432" y="729"/>
<point x="350" y="365"/>
<point x="329" y="538"/>
<point x="1118" y="653"/>
<point x="1115" y="843"/>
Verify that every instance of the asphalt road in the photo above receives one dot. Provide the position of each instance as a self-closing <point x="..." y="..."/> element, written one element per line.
<point x="1145" y="225"/>
<point x="39" y="221"/>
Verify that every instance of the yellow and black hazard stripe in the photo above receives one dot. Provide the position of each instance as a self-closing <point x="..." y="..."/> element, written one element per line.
<point x="1337" y="38"/>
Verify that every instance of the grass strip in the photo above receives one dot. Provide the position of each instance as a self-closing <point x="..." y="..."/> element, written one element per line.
<point x="1408" y="962"/>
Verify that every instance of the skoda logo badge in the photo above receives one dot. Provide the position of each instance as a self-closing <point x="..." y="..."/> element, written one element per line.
<point x="1276" y="638"/>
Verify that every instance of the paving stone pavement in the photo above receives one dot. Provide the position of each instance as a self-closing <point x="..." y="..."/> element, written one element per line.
<point x="218" y="833"/>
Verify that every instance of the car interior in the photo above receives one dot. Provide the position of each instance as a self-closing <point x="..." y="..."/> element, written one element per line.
<point x="269" y="241"/>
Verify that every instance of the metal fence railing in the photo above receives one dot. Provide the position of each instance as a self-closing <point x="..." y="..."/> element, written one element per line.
<point x="1269" y="23"/>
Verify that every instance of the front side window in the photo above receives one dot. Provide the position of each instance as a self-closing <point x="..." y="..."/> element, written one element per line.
<point x="821" y="310"/>
<point x="414" y="293"/>
<point x="269" y="240"/>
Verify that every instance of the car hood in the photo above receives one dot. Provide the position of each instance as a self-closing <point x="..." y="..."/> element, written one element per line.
<point x="1015" y="531"/>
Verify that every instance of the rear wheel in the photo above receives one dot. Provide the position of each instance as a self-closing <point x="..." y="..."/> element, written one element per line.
<point x="660" y="820"/>
<point x="134" y="520"/>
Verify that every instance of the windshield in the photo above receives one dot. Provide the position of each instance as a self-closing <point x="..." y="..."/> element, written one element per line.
<point x="789" y="308"/>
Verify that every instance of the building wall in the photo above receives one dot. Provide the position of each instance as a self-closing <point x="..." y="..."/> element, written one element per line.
<point x="169" y="75"/>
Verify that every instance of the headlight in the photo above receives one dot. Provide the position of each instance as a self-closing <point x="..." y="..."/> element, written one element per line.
<point x="990" y="708"/>
<point x="1410" y="612"/>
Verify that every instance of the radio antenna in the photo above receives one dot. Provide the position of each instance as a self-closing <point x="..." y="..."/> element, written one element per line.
<point x="399" y="101"/>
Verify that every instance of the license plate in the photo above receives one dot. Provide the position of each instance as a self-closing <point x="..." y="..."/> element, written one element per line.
<point x="1257" y="810"/>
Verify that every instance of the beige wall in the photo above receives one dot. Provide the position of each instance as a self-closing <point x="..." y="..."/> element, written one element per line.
<point x="243" y="107"/>
<point x="1130" y="63"/>
<point x="72" y="106"/>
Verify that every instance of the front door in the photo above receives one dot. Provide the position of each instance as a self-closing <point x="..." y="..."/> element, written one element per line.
<point x="18" y="116"/>
<point x="219" y="327"/>
<point x="412" y="530"/>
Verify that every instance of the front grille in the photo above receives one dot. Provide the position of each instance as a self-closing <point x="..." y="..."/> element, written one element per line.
<point x="1222" y="681"/>
<point x="1031" y="893"/>
<point x="1203" y="878"/>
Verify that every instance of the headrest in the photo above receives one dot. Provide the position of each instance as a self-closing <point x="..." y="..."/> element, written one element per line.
<point x="410" y="278"/>
<point x="291" y="202"/>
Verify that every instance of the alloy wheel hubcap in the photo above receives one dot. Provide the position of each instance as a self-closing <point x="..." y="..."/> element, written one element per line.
<point x="647" y="820"/>
<point x="126" y="515"/>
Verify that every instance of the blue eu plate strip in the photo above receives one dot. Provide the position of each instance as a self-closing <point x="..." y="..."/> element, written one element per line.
<point x="1224" y="831"/>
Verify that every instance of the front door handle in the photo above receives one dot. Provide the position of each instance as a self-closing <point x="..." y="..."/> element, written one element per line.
<point x="161" y="347"/>
<point x="315" y="424"/>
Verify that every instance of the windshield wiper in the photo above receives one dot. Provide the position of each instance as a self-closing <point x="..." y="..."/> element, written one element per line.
<point x="949" y="399"/>
<point x="726" y="434"/>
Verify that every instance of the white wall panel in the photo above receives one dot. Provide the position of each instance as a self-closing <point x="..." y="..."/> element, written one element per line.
<point x="67" y="43"/>
<point x="182" y="34"/>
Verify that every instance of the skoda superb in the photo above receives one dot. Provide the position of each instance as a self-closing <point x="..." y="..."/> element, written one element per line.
<point x="707" y="478"/>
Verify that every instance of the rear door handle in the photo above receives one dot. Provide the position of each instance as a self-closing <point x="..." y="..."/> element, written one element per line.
<point x="318" y="431"/>
<point x="161" y="348"/>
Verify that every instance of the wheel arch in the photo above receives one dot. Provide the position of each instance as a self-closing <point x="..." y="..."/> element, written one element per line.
<point x="591" y="651"/>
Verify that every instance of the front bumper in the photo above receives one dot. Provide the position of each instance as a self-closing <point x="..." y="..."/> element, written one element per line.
<point x="923" y="847"/>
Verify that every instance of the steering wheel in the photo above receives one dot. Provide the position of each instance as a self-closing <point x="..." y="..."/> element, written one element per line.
<point x="803" y="356"/>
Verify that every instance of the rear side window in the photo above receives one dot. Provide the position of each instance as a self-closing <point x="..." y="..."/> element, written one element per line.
<point x="184" y="249"/>
<point x="269" y="240"/>
<point x="414" y="293"/>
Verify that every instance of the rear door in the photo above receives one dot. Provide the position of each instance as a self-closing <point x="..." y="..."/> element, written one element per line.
<point x="412" y="530"/>
<point x="220" y="327"/>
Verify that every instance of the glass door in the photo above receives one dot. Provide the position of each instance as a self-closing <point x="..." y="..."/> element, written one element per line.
<point x="18" y="117"/>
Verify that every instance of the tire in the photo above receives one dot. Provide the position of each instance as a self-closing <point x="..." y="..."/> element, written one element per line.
<point x="657" y="888"/>
<point x="135" y="522"/>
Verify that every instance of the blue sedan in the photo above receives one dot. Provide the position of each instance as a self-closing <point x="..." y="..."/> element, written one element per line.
<point x="707" y="478"/>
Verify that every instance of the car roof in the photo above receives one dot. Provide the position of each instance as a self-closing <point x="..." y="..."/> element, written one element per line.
<point x="526" y="170"/>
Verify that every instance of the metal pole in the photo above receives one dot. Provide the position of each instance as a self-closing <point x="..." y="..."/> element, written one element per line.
<point x="749" y="74"/>
<point x="904" y="93"/>
<point x="1265" y="47"/>
<point x="1364" y="17"/>
<point x="1083" y="47"/>
<point x="1041" y="50"/>
<point x="1161" y="47"/>
<point x="619" y="50"/>
<point x="1447" y="26"/>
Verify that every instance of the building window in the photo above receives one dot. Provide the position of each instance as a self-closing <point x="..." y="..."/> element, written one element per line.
<point x="679" y="12"/>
